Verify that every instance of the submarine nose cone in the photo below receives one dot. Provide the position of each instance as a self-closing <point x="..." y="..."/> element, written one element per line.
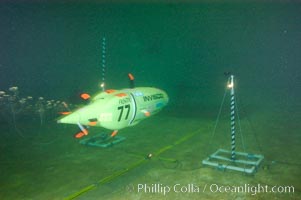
<point x="72" y="118"/>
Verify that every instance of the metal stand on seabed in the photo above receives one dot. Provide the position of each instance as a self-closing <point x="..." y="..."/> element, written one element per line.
<point x="233" y="160"/>
<point x="102" y="140"/>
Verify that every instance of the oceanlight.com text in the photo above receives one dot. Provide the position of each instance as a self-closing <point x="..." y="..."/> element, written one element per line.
<point x="251" y="189"/>
<point x="158" y="188"/>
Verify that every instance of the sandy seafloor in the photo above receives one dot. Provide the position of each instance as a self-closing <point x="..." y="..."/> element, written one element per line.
<point x="53" y="165"/>
<point x="53" y="50"/>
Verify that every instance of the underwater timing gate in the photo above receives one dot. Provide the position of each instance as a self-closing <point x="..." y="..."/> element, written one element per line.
<point x="103" y="64"/>
<point x="245" y="162"/>
<point x="232" y="110"/>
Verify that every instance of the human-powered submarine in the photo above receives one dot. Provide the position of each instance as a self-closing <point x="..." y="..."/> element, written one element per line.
<point x="117" y="109"/>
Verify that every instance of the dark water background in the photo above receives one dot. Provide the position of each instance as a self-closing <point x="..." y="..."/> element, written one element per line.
<point x="54" y="49"/>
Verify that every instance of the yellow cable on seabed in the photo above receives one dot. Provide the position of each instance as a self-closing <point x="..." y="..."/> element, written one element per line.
<point x="134" y="165"/>
<point x="82" y="191"/>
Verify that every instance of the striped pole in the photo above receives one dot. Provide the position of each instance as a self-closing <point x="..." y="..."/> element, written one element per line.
<point x="103" y="64"/>
<point x="232" y="114"/>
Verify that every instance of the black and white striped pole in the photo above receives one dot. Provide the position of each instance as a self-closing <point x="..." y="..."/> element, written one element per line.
<point x="103" y="64"/>
<point x="233" y="160"/>
<point x="232" y="114"/>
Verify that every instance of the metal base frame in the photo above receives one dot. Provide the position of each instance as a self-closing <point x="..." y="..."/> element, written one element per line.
<point x="244" y="162"/>
<point x="102" y="140"/>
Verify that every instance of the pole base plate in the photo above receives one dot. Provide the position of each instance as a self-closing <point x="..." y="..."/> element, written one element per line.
<point x="244" y="162"/>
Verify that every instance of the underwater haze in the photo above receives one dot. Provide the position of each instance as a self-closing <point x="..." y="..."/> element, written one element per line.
<point x="50" y="52"/>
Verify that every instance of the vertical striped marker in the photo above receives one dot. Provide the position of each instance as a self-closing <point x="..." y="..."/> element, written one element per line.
<point x="232" y="114"/>
<point x="103" y="64"/>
